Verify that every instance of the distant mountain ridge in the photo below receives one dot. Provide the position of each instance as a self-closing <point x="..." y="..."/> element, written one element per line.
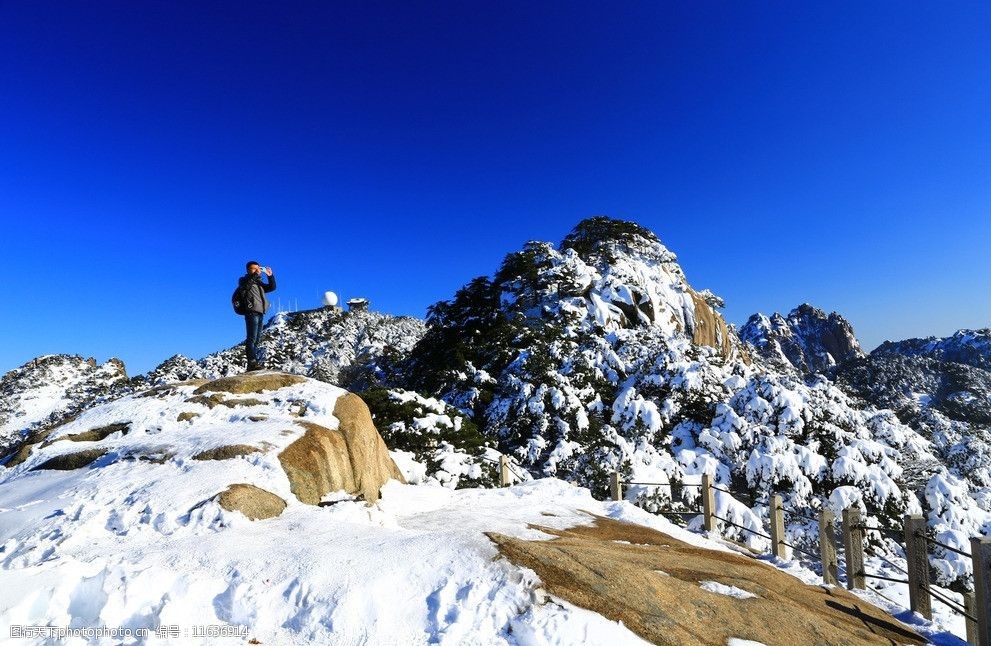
<point x="939" y="386"/>
<point x="969" y="347"/>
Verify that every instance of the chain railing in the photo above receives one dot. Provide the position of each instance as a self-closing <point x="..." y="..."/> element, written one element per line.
<point x="976" y="608"/>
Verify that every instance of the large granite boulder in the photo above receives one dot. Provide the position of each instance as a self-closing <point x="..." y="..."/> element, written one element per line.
<point x="352" y="457"/>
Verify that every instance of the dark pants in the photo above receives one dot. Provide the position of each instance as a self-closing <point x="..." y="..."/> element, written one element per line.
<point x="253" y="325"/>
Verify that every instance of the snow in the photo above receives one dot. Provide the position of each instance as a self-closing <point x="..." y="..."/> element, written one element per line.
<point x="140" y="546"/>
<point x="417" y="568"/>
<point x="728" y="590"/>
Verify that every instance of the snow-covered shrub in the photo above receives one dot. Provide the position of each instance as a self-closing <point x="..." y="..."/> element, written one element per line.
<point x="436" y="434"/>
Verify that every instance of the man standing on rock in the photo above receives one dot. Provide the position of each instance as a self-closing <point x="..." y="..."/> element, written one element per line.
<point x="256" y="304"/>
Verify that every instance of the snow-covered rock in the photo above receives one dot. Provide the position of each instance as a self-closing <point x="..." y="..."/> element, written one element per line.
<point x="286" y="435"/>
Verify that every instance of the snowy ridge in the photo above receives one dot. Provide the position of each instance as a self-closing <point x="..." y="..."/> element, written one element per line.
<point x="51" y="387"/>
<point x="350" y="348"/>
<point x="969" y="347"/>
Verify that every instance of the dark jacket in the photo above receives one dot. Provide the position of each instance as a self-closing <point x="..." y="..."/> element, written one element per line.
<point x="257" y="302"/>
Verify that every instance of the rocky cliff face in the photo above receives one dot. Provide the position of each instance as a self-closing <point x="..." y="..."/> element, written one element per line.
<point x="808" y="340"/>
<point x="51" y="387"/>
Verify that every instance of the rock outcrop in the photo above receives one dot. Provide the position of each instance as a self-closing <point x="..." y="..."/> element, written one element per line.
<point x="252" y="382"/>
<point x="709" y="328"/>
<point x="352" y="457"/>
<point x="807" y="341"/>
<point x="254" y="502"/>
<point x="369" y="455"/>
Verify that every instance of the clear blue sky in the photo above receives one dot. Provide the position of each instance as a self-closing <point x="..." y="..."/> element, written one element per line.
<point x="831" y="152"/>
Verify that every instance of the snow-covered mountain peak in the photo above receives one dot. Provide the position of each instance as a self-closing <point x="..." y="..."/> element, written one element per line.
<point x="806" y="340"/>
<point x="602" y="239"/>
<point x="573" y="363"/>
<point x="608" y="275"/>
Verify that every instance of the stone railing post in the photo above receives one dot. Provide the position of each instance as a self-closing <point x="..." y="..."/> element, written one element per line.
<point x="615" y="488"/>
<point x="853" y="545"/>
<point x="970" y="606"/>
<point x="504" y="479"/>
<point x="776" y="514"/>
<point x="708" y="503"/>
<point x="827" y="546"/>
<point x="917" y="557"/>
<point x="980" y="552"/>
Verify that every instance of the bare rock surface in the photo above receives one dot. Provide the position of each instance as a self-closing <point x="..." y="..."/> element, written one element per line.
<point x="254" y="382"/>
<point x="70" y="461"/>
<point x="317" y="464"/>
<point x="352" y="457"/>
<point x="670" y="592"/>
<point x="254" y="502"/>
<point x="226" y="452"/>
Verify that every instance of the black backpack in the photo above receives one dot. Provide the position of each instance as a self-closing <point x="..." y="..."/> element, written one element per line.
<point x="239" y="299"/>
